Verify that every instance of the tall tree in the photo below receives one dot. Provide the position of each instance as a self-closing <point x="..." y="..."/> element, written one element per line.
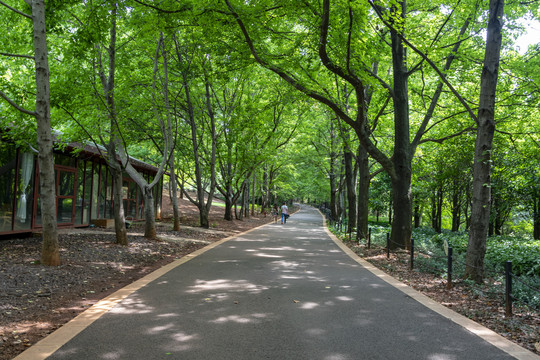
<point x="50" y="249"/>
<point x="480" y="211"/>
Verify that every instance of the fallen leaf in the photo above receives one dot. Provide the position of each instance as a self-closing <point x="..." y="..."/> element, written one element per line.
<point x="296" y="301"/>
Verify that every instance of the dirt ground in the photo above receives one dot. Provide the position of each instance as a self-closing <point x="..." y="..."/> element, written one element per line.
<point x="36" y="300"/>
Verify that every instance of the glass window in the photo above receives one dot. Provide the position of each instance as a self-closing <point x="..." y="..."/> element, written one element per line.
<point x="95" y="192"/>
<point x="65" y="160"/>
<point x="103" y="192"/>
<point x="8" y="163"/>
<point x="66" y="183"/>
<point x="79" y="200"/>
<point x="64" y="210"/>
<point x="109" y="200"/>
<point x="25" y="192"/>
<point x="87" y="193"/>
<point x="65" y="196"/>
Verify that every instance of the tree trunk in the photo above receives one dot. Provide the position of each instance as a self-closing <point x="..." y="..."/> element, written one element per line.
<point x="119" y="216"/>
<point x="390" y="207"/>
<point x="350" y="181"/>
<point x="254" y="181"/>
<point x="149" y="214"/>
<point x="476" y="248"/>
<point x="536" y="218"/>
<point x="438" y="219"/>
<point x="265" y="193"/>
<point x="174" y="196"/>
<point x="456" y="207"/>
<point x="434" y="210"/>
<point x="417" y="216"/>
<point x="228" y="204"/>
<point x="363" y="194"/>
<point x="50" y="254"/>
<point x="402" y="158"/>
<point x="402" y="221"/>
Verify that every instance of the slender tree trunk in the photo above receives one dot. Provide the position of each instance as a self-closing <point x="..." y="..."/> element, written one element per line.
<point x="536" y="217"/>
<point x="50" y="254"/>
<point x="265" y="193"/>
<point x="254" y="180"/>
<point x="476" y="248"/>
<point x="390" y="207"/>
<point x="468" y="205"/>
<point x="350" y="181"/>
<point x="456" y="207"/>
<point x="439" y="208"/>
<point x="119" y="216"/>
<point x="434" y="210"/>
<point x="174" y="196"/>
<point x="417" y="216"/>
<point x="363" y="194"/>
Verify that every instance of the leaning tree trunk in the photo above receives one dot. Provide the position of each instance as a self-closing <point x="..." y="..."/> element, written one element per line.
<point x="476" y="248"/>
<point x="50" y="254"/>
<point x="174" y="196"/>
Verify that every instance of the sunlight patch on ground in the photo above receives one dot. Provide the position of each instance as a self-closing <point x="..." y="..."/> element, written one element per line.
<point x="157" y="329"/>
<point x="131" y="306"/>
<point x="337" y="357"/>
<point x="316" y="332"/>
<point x="268" y="255"/>
<point x="114" y="355"/>
<point x="442" y="357"/>
<point x="286" y="264"/>
<point x="345" y="298"/>
<point x="309" y="305"/>
<point x="253" y="318"/>
<point x="167" y="315"/>
<point x="223" y="284"/>
<point x="282" y="248"/>
<point x="183" y="337"/>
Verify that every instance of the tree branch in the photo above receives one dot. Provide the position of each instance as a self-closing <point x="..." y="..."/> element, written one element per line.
<point x="423" y="56"/>
<point x="440" y="140"/>
<point x="184" y="8"/>
<point x="15" y="10"/>
<point x="12" y="103"/>
<point x="17" y="55"/>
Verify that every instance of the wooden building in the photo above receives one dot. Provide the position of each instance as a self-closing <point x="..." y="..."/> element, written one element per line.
<point x="84" y="189"/>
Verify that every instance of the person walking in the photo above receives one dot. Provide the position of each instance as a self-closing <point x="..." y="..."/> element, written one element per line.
<point x="275" y="213"/>
<point x="284" y="213"/>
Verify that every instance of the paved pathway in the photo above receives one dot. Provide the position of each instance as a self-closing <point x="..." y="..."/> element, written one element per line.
<point x="279" y="292"/>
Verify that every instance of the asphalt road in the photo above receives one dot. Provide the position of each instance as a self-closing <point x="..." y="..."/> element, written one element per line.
<point x="279" y="292"/>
